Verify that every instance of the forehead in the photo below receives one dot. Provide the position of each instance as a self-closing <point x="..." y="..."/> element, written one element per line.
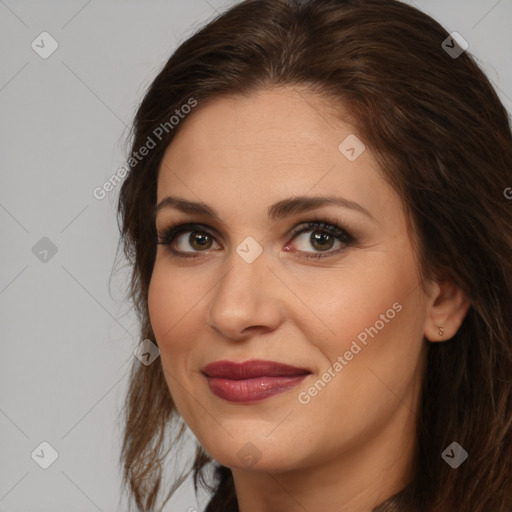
<point x="271" y="123"/>
<point x="267" y="146"/>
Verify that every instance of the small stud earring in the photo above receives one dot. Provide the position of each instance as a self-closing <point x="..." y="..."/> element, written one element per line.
<point x="441" y="330"/>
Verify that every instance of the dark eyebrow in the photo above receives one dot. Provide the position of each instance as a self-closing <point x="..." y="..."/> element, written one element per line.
<point x="281" y="209"/>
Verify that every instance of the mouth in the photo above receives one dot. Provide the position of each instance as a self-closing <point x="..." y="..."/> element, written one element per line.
<point x="251" y="381"/>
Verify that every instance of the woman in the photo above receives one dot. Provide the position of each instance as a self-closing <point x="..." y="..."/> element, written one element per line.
<point x="320" y="235"/>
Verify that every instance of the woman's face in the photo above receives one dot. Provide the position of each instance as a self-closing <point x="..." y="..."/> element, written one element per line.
<point x="351" y="317"/>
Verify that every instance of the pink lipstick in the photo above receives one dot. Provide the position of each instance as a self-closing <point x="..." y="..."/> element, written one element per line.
<point x="252" y="380"/>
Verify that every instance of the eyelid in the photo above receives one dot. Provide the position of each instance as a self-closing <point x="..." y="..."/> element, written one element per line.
<point x="333" y="226"/>
<point x="192" y="226"/>
<point x="297" y="226"/>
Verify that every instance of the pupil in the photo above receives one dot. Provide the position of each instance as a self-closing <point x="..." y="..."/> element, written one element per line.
<point x="198" y="236"/>
<point x="321" y="238"/>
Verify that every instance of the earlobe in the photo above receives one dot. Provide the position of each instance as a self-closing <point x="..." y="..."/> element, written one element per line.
<point x="446" y="309"/>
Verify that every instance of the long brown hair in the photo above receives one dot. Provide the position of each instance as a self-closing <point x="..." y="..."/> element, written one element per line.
<point x="443" y="141"/>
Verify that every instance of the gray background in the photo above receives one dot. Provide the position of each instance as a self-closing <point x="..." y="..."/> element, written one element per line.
<point x="67" y="339"/>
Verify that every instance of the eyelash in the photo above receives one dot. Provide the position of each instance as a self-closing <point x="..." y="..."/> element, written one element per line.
<point x="168" y="235"/>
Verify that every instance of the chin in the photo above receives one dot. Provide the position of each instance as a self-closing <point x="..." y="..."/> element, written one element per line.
<point x="253" y="455"/>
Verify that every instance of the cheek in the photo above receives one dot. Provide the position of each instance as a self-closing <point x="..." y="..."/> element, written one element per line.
<point x="173" y="308"/>
<point x="363" y="385"/>
<point x="161" y="304"/>
<point x="372" y="318"/>
<point x="177" y="305"/>
<point x="172" y="301"/>
<point x="173" y="313"/>
<point x="363" y="299"/>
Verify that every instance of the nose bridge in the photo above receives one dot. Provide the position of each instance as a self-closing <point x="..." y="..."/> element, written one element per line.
<point x="242" y="296"/>
<point x="247" y="268"/>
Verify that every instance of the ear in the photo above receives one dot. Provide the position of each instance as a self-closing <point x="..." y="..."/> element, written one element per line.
<point x="446" y="309"/>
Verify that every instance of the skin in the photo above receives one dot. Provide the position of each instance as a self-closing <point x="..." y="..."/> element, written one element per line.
<point x="352" y="445"/>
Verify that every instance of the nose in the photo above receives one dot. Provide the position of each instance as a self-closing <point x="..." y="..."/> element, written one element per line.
<point x="246" y="300"/>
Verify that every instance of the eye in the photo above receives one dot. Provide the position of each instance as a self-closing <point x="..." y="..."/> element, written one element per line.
<point x="323" y="235"/>
<point x="199" y="238"/>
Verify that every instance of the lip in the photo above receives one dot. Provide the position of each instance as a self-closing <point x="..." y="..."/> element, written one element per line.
<point x="252" y="380"/>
